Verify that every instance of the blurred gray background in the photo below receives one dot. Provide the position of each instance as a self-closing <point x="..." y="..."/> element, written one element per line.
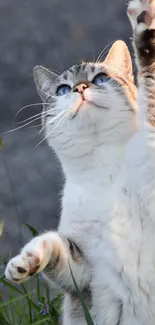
<point x="57" y="34"/>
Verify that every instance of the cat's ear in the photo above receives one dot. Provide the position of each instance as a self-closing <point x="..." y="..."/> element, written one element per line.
<point x="119" y="59"/>
<point x="44" y="79"/>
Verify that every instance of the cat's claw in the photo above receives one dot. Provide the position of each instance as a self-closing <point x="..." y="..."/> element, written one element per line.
<point x="33" y="259"/>
<point x="141" y="14"/>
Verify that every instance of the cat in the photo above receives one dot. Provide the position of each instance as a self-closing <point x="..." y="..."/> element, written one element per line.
<point x="105" y="142"/>
<point x="90" y="144"/>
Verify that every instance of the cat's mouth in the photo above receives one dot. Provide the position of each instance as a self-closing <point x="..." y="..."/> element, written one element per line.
<point x="83" y="102"/>
<point x="79" y="104"/>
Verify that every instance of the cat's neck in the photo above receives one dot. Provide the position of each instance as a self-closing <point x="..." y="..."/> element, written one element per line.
<point x="103" y="165"/>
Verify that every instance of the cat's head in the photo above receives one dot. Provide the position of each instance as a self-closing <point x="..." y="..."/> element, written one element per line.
<point x="88" y="103"/>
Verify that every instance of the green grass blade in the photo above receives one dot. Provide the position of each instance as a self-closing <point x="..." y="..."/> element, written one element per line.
<point x="47" y="293"/>
<point x="41" y="321"/>
<point x="4" y="311"/>
<point x="11" y="286"/>
<point x="1" y="227"/>
<point x="9" y="302"/>
<point x="28" y="299"/>
<point x="3" y="320"/>
<point x="34" y="232"/>
<point x="83" y="303"/>
<point x="28" y="303"/>
<point x="38" y="287"/>
<point x="23" y="315"/>
<point x="11" y="307"/>
<point x="24" y="294"/>
<point x="1" y="143"/>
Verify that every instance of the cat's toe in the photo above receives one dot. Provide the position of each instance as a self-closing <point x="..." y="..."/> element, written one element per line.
<point x="17" y="269"/>
<point x="21" y="267"/>
<point x="134" y="9"/>
<point x="33" y="259"/>
<point x="38" y="253"/>
<point x="141" y="14"/>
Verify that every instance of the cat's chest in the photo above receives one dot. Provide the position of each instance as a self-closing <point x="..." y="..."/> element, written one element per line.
<point x="106" y="215"/>
<point x="108" y="226"/>
<point x="95" y="207"/>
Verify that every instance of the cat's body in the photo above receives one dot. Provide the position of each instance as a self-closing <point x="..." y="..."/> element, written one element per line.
<point x="120" y="247"/>
<point x="107" y="227"/>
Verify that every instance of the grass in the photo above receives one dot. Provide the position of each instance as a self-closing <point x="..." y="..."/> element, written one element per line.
<point x="31" y="303"/>
<point x="24" y="305"/>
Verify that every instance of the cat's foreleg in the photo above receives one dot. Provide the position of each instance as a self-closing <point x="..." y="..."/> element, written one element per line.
<point x="142" y="16"/>
<point x="141" y="150"/>
<point x="72" y="310"/>
<point x="54" y="255"/>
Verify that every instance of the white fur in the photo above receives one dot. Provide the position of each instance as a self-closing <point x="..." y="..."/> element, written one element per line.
<point x="108" y="207"/>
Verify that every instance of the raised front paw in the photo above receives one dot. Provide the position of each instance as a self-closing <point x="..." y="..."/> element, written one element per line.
<point x="141" y="14"/>
<point x="33" y="258"/>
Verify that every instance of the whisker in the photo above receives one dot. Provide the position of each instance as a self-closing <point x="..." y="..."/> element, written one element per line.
<point x="28" y="119"/>
<point x="94" y="55"/>
<point x="66" y="116"/>
<point x="53" y="128"/>
<point x="59" y="63"/>
<point x="103" y="51"/>
<point x="34" y="104"/>
<point x="33" y="116"/>
<point x="30" y="105"/>
<point x="67" y="111"/>
<point x="46" y="136"/>
<point x="34" y="126"/>
<point x="103" y="55"/>
<point x="20" y="127"/>
<point x="53" y="119"/>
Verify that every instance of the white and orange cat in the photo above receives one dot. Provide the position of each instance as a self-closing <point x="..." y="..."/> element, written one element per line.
<point x="107" y="151"/>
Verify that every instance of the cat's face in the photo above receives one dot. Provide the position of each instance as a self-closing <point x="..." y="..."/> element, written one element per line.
<point x="88" y="103"/>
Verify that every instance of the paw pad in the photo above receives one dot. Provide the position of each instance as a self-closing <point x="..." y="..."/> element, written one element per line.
<point x="33" y="258"/>
<point x="145" y="18"/>
<point x="21" y="270"/>
<point x="33" y="270"/>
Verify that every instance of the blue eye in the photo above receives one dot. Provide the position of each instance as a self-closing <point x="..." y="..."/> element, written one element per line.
<point x="63" y="90"/>
<point x="100" y="79"/>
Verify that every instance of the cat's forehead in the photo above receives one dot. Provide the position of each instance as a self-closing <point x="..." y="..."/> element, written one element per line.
<point x="82" y="71"/>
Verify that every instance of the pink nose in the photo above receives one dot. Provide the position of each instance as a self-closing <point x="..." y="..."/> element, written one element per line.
<point x="80" y="87"/>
